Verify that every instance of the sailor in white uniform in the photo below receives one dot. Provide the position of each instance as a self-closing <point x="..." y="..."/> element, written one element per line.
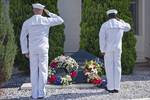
<point x="110" y="40"/>
<point x="36" y="46"/>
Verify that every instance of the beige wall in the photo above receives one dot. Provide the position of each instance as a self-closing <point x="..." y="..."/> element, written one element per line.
<point x="143" y="39"/>
<point x="70" y="10"/>
<point x="147" y="28"/>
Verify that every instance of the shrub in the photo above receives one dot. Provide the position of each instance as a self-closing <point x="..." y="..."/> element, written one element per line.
<point x="20" y="10"/>
<point x="93" y="15"/>
<point x="7" y="43"/>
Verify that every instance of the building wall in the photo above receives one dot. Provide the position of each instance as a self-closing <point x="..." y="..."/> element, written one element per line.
<point x="141" y="29"/>
<point x="147" y="28"/>
<point x="143" y="39"/>
<point x="70" y="10"/>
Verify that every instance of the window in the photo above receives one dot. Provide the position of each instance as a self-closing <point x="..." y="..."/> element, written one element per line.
<point x="134" y="11"/>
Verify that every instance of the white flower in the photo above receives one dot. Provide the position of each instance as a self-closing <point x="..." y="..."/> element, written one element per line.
<point x="90" y="66"/>
<point x="94" y="71"/>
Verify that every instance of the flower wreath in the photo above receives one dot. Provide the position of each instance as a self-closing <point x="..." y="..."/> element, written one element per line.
<point x="93" y="71"/>
<point x="69" y="66"/>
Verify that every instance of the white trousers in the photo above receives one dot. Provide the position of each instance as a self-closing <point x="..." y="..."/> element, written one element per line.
<point x="113" y="69"/>
<point x="38" y="74"/>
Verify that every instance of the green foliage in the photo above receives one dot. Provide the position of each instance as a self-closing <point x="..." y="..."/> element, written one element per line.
<point x="93" y="15"/>
<point x="92" y="18"/>
<point x="20" y="10"/>
<point x="7" y="43"/>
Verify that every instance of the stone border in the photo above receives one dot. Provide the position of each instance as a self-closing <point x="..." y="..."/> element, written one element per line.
<point x="81" y="86"/>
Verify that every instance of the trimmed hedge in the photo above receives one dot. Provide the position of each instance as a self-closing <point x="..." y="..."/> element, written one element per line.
<point x="7" y="43"/>
<point x="93" y="15"/>
<point x="20" y="10"/>
<point x="18" y="14"/>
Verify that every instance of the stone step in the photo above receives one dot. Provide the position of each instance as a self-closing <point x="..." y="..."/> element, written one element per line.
<point x="80" y="86"/>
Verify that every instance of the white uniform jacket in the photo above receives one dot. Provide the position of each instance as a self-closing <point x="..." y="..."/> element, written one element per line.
<point x="37" y="29"/>
<point x="110" y="35"/>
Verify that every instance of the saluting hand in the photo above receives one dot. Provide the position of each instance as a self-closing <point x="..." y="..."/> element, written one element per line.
<point x="118" y="19"/>
<point x="27" y="55"/>
<point x="103" y="53"/>
<point x="46" y="11"/>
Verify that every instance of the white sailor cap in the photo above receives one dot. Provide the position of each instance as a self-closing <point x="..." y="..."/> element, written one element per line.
<point x="114" y="11"/>
<point x="38" y="5"/>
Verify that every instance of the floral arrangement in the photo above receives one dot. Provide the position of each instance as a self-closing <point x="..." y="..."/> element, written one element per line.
<point x="68" y="64"/>
<point x="93" y="71"/>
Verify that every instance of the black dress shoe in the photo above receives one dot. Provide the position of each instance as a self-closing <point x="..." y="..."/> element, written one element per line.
<point x="32" y="98"/>
<point x="40" y="97"/>
<point x="110" y="91"/>
<point x="116" y="91"/>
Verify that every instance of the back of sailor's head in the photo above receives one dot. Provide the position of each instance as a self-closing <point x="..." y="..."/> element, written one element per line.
<point x="112" y="13"/>
<point x="38" y="8"/>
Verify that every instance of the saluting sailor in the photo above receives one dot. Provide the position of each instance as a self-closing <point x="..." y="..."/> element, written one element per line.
<point x="110" y="40"/>
<point x="36" y="46"/>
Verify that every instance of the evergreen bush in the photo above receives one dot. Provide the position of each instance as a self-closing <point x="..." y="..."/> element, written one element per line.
<point x="94" y="15"/>
<point x="20" y="10"/>
<point x="7" y="42"/>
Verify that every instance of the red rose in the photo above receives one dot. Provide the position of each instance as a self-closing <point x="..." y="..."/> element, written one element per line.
<point x="91" y="81"/>
<point x="53" y="64"/>
<point x="96" y="81"/>
<point x="52" y="79"/>
<point x="73" y="74"/>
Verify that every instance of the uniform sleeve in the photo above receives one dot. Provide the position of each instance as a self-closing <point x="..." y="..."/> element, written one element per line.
<point x="24" y="40"/>
<point x="127" y="26"/>
<point x="54" y="19"/>
<point x="102" y="39"/>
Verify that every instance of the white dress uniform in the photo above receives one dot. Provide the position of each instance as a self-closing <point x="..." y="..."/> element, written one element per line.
<point x="110" y="40"/>
<point x="37" y="45"/>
